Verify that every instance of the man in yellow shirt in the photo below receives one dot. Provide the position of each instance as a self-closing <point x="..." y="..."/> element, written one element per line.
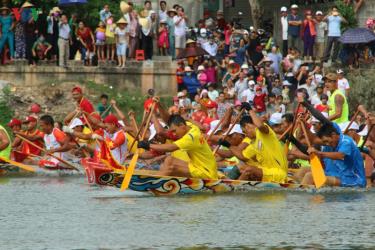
<point x="202" y="162"/>
<point x="265" y="158"/>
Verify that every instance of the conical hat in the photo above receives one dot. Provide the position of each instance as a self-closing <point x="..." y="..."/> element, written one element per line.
<point x="143" y="22"/>
<point x="122" y="21"/>
<point x="190" y="41"/>
<point x="124" y="7"/>
<point x="27" y="5"/>
<point x="5" y="8"/>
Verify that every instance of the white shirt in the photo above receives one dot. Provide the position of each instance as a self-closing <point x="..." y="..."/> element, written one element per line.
<point x="210" y="48"/>
<point x="240" y="87"/>
<point x="317" y="78"/>
<point x="163" y="15"/>
<point x="64" y="31"/>
<point x="315" y="100"/>
<point x="121" y="35"/>
<point x="310" y="89"/>
<point x="343" y="84"/>
<point x="284" y="26"/>
<point x="213" y="95"/>
<point x="248" y="95"/>
<point x="179" y="29"/>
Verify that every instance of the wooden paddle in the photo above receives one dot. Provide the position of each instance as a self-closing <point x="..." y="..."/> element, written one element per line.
<point x="316" y="166"/>
<point x="105" y="111"/>
<point x="17" y="164"/>
<point x="285" y="132"/>
<point x="140" y="129"/>
<point x="45" y="151"/>
<point x="223" y="137"/>
<point x="351" y="122"/>
<point x="133" y="162"/>
<point x="366" y="138"/>
<point x="287" y="142"/>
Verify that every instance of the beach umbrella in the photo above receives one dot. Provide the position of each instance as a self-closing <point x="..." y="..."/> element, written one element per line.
<point x="70" y="2"/>
<point x="192" y="52"/>
<point x="357" y="35"/>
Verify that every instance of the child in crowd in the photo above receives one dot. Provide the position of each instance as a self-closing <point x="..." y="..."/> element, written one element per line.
<point x="323" y="107"/>
<point x="100" y="40"/>
<point x="260" y="101"/>
<point x="110" y="38"/>
<point x="163" y="38"/>
<point x="280" y="106"/>
<point x="202" y="77"/>
<point x="213" y="94"/>
<point x="40" y="49"/>
<point x="121" y="33"/>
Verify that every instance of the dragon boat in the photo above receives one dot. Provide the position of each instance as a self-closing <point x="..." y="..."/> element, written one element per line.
<point x="10" y="170"/>
<point x="147" y="181"/>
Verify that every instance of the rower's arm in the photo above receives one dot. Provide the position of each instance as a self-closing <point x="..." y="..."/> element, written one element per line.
<point x="82" y="136"/>
<point x="65" y="146"/>
<point x="70" y="117"/>
<point x="16" y="142"/>
<point x="258" y="123"/>
<point x="339" y="102"/>
<point x="169" y="147"/>
<point x="35" y="137"/>
<point x="4" y="141"/>
<point x="332" y="155"/>
<point x="237" y="152"/>
<point x="225" y="153"/>
<point x="120" y="114"/>
<point x="227" y="118"/>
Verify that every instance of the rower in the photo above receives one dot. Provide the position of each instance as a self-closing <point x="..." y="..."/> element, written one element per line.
<point x="115" y="139"/>
<point x="342" y="159"/>
<point x="55" y="140"/>
<point x="83" y="104"/>
<point x="32" y="134"/>
<point x="189" y="137"/>
<point x="5" y="145"/>
<point x="265" y="158"/>
<point x="15" y="125"/>
<point x="338" y="105"/>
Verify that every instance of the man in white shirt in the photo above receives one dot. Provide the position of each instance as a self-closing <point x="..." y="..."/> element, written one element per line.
<point x="316" y="98"/>
<point x="249" y="94"/>
<point x="284" y="28"/>
<point x="210" y="46"/>
<point x="343" y="83"/>
<point x="163" y="11"/>
<point x="309" y="86"/>
<point x="64" y="41"/>
<point x="241" y="85"/>
<point x="321" y="31"/>
<point x="180" y="30"/>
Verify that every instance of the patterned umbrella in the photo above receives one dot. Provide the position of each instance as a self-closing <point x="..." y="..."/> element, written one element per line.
<point x="357" y="35"/>
<point x="69" y="2"/>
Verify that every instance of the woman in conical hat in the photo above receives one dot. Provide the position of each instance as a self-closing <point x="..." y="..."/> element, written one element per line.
<point x="7" y="27"/>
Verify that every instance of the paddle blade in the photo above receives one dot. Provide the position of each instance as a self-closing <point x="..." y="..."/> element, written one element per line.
<point x="17" y="164"/>
<point x="317" y="171"/>
<point x="129" y="172"/>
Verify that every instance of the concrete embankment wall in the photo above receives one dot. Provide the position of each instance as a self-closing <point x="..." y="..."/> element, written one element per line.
<point x="137" y="76"/>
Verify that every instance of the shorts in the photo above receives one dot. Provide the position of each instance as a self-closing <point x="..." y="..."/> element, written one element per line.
<point x="198" y="172"/>
<point x="180" y="42"/>
<point x="100" y="42"/>
<point x="276" y="175"/>
<point x="121" y="49"/>
<point x="110" y="40"/>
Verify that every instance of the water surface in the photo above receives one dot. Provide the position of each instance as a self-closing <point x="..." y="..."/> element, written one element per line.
<point x="66" y="213"/>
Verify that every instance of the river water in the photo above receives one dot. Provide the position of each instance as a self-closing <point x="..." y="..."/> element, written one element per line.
<point x="66" y="213"/>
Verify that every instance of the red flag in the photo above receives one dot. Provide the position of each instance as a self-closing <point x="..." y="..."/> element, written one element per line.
<point x="106" y="156"/>
<point x="16" y="13"/>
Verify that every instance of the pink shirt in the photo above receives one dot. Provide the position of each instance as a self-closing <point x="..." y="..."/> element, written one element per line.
<point x="211" y="74"/>
<point x="227" y="34"/>
<point x="202" y="78"/>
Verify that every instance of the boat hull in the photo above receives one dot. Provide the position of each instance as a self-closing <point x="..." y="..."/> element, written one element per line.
<point x="166" y="185"/>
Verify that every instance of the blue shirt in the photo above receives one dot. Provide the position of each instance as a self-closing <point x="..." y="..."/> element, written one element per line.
<point x="191" y="83"/>
<point x="240" y="54"/>
<point x="292" y="29"/>
<point x="334" y="26"/>
<point x="104" y="15"/>
<point x="351" y="170"/>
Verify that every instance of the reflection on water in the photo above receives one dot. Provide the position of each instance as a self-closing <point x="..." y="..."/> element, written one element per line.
<point x="65" y="213"/>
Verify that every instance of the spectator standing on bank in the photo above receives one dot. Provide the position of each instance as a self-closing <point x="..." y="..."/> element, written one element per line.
<point x="334" y="20"/>
<point x="294" y="30"/>
<point x="284" y="29"/>
<point x="86" y="37"/>
<point x="163" y="38"/>
<point x="321" y="31"/>
<point x="64" y="41"/>
<point x="110" y="38"/>
<point x="7" y="31"/>
<point x="308" y="36"/>
<point x="180" y="30"/>
<point x="53" y="31"/>
<point x="134" y="29"/>
<point x="100" y="40"/>
<point x="105" y="13"/>
<point x="163" y="15"/>
<point x="171" y="33"/>
<point x="121" y="34"/>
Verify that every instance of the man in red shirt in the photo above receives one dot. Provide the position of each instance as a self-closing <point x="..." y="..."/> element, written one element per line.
<point x="82" y="103"/>
<point x="33" y="134"/>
